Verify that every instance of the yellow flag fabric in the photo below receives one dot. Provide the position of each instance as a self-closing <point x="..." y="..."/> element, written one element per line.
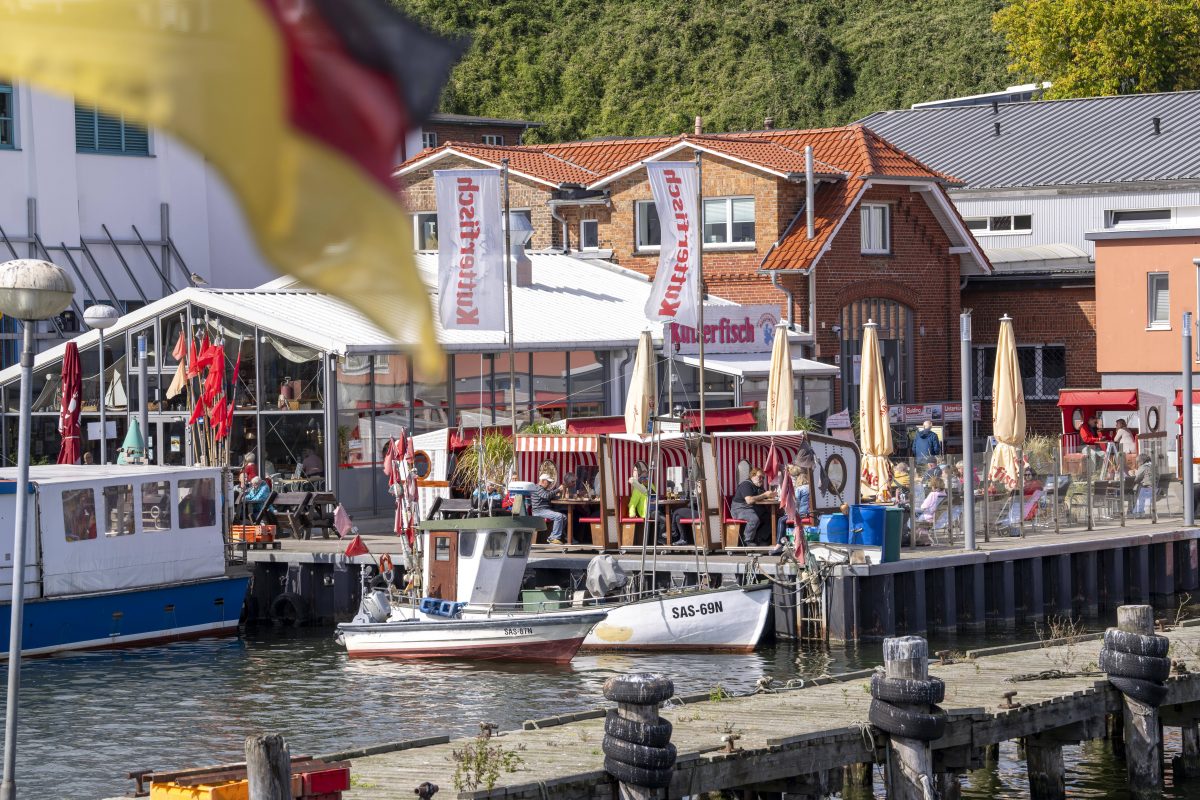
<point x="874" y="428"/>
<point x="780" y="384"/>
<point x="1008" y="408"/>
<point x="213" y="75"/>
<point x="639" y="404"/>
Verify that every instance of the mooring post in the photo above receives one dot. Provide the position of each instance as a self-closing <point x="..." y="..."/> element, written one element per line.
<point x="637" y="747"/>
<point x="268" y="767"/>
<point x="858" y="780"/>
<point x="1187" y="764"/>
<point x="909" y="761"/>
<point x="991" y="755"/>
<point x="1047" y="779"/>
<point x="1143" y="734"/>
<point x="949" y="786"/>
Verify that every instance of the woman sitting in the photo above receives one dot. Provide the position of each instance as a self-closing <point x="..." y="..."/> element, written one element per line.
<point x="936" y="495"/>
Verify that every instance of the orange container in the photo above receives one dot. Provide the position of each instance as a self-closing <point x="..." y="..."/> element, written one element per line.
<point x="252" y="533"/>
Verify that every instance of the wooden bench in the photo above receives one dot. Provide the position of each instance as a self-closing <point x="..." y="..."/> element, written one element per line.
<point x="319" y="515"/>
<point x="290" y="510"/>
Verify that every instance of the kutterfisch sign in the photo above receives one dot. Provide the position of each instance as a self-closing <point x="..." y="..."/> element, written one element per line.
<point x="676" y="289"/>
<point x="470" y="249"/>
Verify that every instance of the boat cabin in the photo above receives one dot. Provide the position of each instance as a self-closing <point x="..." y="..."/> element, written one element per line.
<point x="106" y="528"/>
<point x="480" y="560"/>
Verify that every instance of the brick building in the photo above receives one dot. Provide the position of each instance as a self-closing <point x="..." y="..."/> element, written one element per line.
<point x="887" y="243"/>
<point x="441" y="128"/>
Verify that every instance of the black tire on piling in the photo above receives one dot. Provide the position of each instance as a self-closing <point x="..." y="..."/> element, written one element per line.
<point x="639" y="755"/>
<point x="640" y="688"/>
<point x="1128" y="665"/>
<point x="638" y="776"/>
<point x="902" y="690"/>
<point x="1145" y="692"/>
<point x="641" y="733"/>
<point x="909" y="724"/>
<point x="289" y="610"/>
<point x="1138" y="644"/>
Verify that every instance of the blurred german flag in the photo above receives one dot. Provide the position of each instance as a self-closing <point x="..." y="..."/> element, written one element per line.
<point x="301" y="105"/>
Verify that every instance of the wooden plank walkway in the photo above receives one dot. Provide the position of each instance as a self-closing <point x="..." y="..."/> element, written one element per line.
<point x="789" y="732"/>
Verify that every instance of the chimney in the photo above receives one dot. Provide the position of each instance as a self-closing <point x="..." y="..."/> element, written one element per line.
<point x="996" y="126"/>
<point x="1157" y="126"/>
<point x="699" y="126"/>
<point x="995" y="107"/>
<point x="769" y="123"/>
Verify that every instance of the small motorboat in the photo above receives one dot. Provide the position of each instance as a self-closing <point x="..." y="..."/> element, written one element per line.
<point x="483" y="560"/>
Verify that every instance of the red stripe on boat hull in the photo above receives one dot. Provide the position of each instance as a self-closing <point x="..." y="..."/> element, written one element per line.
<point x="555" y="652"/>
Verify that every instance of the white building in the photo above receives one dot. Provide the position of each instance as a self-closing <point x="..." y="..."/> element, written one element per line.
<point x="79" y="188"/>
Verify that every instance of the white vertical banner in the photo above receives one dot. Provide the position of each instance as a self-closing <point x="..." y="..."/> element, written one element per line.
<point x="676" y="291"/>
<point x="470" y="249"/>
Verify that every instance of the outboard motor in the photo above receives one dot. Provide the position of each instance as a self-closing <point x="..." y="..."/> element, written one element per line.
<point x="376" y="606"/>
<point x="605" y="576"/>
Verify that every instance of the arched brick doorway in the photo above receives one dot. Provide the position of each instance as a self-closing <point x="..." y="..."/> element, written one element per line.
<point x="895" y="321"/>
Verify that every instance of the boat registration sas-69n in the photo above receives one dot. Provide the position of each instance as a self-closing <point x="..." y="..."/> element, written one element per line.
<point x="697" y="609"/>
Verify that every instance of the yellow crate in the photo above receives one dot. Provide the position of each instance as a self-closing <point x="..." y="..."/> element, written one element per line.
<point x="228" y="790"/>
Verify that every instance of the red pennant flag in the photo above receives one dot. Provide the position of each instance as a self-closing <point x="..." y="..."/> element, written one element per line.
<point x="193" y="359"/>
<point x="197" y="412"/>
<point x="357" y="547"/>
<point x="180" y="349"/>
<point x="773" y="465"/>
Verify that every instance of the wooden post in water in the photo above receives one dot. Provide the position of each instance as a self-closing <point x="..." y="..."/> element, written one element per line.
<point x="909" y="761"/>
<point x="268" y="767"/>
<point x="1046" y="772"/>
<point x="1143" y="734"/>
<point x="949" y="786"/>
<point x="1187" y="765"/>
<point x="858" y="780"/>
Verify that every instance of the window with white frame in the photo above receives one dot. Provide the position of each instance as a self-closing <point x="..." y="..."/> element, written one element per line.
<point x="492" y="138"/>
<point x="589" y="234"/>
<point x="428" y="139"/>
<point x="1005" y="223"/>
<point x="1158" y="301"/>
<point x="425" y="231"/>
<point x="8" y="132"/>
<point x="648" y="233"/>
<point x="729" y="220"/>
<point x="876" y="229"/>
<point x="1043" y="370"/>
<point x="1140" y="217"/>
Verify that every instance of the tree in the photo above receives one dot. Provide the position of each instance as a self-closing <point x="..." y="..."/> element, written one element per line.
<point x="1104" y="47"/>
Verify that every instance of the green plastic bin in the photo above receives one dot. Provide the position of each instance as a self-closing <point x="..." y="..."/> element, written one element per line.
<point x="893" y="528"/>
<point x="544" y="598"/>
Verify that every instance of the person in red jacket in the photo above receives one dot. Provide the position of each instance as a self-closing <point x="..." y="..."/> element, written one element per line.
<point x="1090" y="433"/>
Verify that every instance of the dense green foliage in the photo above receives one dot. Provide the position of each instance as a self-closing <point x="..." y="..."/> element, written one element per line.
<point x="623" y="67"/>
<point x="1105" y="47"/>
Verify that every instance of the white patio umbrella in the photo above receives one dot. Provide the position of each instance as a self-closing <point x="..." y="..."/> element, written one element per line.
<point x="874" y="428"/>
<point x="780" y="383"/>
<point x="639" y="405"/>
<point x="1008" y="408"/>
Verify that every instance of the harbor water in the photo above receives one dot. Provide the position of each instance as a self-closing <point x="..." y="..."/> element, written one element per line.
<point x="89" y="718"/>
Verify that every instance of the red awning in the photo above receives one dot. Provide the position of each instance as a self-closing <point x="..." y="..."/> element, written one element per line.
<point x="596" y="425"/>
<point x="1099" y="399"/>
<point x="1179" y="398"/>
<point x="738" y="418"/>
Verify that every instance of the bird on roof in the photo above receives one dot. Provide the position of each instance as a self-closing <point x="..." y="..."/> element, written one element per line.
<point x="197" y="280"/>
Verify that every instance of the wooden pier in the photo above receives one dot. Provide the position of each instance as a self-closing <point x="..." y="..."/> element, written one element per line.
<point x="805" y="739"/>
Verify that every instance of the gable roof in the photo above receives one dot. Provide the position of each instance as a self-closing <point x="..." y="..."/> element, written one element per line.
<point x="1095" y="140"/>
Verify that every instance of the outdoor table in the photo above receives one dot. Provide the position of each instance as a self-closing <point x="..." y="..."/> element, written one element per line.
<point x="571" y="504"/>
<point x="668" y="506"/>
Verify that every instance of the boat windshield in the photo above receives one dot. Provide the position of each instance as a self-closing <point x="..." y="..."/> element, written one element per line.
<point x="494" y="548"/>
<point x="466" y="544"/>
<point x="518" y="545"/>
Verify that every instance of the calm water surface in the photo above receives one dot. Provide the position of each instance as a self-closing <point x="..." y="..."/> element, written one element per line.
<point x="87" y="719"/>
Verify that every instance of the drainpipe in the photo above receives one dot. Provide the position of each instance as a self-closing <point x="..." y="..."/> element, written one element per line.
<point x="625" y="371"/>
<point x="786" y="293"/>
<point x="566" y="231"/>
<point x="809" y="192"/>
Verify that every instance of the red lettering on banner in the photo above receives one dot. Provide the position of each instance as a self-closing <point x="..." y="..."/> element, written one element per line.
<point x="670" y="304"/>
<point x="466" y="309"/>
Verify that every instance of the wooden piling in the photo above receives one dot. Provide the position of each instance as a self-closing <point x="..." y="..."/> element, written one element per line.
<point x="858" y="780"/>
<point x="991" y="755"/>
<point x="1187" y="764"/>
<point x="949" y="786"/>
<point x="909" y="761"/>
<point x="1143" y="739"/>
<point x="268" y="767"/>
<point x="1046" y="772"/>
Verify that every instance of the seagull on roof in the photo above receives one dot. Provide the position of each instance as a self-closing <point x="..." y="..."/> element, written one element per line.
<point x="197" y="280"/>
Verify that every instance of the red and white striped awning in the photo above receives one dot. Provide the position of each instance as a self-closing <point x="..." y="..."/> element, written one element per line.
<point x="753" y="448"/>
<point x="625" y="450"/>
<point x="566" y="452"/>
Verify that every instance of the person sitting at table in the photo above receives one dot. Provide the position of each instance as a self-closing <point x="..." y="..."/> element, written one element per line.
<point x="540" y="498"/>
<point x="256" y="501"/>
<point x="901" y="481"/>
<point x="802" y="492"/>
<point x="934" y="499"/>
<point x="311" y="464"/>
<point x="750" y="503"/>
<point x="683" y="533"/>
<point x="643" y="502"/>
<point x="1031" y="482"/>
<point x="1143" y="484"/>
<point x="932" y="470"/>
<point x="249" y="470"/>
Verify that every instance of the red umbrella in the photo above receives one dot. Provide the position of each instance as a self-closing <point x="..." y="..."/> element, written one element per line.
<point x="68" y="415"/>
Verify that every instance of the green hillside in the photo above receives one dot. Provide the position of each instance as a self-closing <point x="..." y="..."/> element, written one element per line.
<point x="608" y="67"/>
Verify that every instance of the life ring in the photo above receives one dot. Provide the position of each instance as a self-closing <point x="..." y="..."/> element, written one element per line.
<point x="385" y="567"/>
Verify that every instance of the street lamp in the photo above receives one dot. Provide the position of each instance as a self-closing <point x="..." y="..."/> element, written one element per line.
<point x="30" y="290"/>
<point x="101" y="317"/>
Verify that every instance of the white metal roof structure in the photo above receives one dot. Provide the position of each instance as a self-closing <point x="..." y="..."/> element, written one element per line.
<point x="571" y="303"/>
<point x="756" y="365"/>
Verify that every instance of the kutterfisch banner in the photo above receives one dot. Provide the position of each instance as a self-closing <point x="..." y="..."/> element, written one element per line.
<point x="676" y="291"/>
<point x="470" y="249"/>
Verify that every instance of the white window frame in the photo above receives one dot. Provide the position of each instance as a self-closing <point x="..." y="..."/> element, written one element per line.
<point x="416" y="217"/>
<point x="429" y="140"/>
<point x="865" y="212"/>
<point x="988" y="230"/>
<point x="1110" y="218"/>
<point x="594" y="223"/>
<point x="494" y="139"/>
<point x="729" y="244"/>
<point x="1153" y="324"/>
<point x="641" y="207"/>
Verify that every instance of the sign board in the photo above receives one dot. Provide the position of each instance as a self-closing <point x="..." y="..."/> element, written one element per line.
<point x="952" y="412"/>
<point x="839" y="420"/>
<point x="728" y="329"/>
<point x="93" y="430"/>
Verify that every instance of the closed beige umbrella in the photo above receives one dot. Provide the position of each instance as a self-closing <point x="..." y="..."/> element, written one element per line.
<point x="1008" y="408"/>
<point x="780" y="382"/>
<point x="639" y="405"/>
<point x="874" y="427"/>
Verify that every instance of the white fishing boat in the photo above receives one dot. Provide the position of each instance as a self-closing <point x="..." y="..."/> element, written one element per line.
<point x="471" y="574"/>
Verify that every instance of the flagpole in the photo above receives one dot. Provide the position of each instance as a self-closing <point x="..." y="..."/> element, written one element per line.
<point x="508" y="291"/>
<point x="700" y="276"/>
